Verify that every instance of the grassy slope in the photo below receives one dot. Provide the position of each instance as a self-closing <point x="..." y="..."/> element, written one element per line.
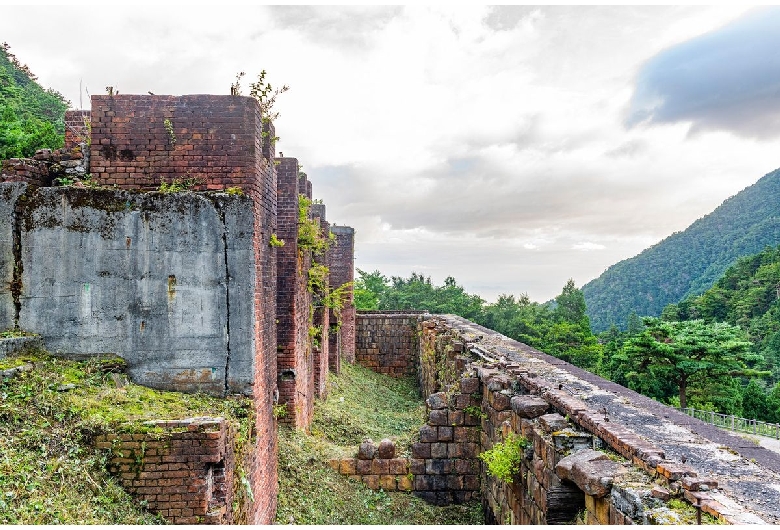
<point x="360" y="404"/>
<point x="49" y="473"/>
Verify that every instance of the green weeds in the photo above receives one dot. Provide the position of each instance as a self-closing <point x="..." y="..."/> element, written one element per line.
<point x="49" y="472"/>
<point x="360" y="404"/>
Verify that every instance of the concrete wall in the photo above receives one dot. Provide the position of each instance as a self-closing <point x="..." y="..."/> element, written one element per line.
<point x="165" y="281"/>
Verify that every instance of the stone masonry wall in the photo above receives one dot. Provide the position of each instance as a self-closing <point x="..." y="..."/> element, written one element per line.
<point x="387" y="343"/>
<point x="576" y="461"/>
<point x="185" y="470"/>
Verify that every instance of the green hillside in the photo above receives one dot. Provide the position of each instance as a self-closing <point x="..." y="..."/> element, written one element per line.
<point x="31" y="118"/>
<point x="687" y="263"/>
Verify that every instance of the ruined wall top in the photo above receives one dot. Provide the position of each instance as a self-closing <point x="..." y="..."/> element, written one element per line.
<point x="141" y="141"/>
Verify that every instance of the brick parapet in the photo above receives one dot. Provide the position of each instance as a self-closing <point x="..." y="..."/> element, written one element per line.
<point x="141" y="141"/>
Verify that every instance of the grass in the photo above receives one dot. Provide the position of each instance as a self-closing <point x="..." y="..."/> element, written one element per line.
<point x="49" y="472"/>
<point x="360" y="404"/>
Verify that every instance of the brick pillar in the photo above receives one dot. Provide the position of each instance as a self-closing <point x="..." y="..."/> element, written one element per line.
<point x="321" y="313"/>
<point x="262" y="462"/>
<point x="295" y="364"/>
<point x="342" y="271"/>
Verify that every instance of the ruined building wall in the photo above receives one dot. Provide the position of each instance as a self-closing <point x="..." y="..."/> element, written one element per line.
<point x="342" y="270"/>
<point x="581" y="455"/>
<point x="139" y="141"/>
<point x="387" y="342"/>
<point x="321" y="344"/>
<point x="295" y="364"/>
<point x="148" y="278"/>
<point x="186" y="471"/>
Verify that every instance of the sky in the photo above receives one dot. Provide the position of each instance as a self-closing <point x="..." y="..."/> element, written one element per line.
<point x="510" y="147"/>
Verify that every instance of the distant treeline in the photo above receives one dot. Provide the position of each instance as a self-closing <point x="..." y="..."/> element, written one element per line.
<point x="716" y="351"/>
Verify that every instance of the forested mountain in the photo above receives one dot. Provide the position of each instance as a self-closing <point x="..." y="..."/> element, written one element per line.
<point x="687" y="263"/>
<point x="31" y="118"/>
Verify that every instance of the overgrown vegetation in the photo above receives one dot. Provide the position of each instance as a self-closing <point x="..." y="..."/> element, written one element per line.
<point x="503" y="459"/>
<point x="49" y="472"/>
<point x="31" y="117"/>
<point x="718" y="351"/>
<point x="360" y="404"/>
<point x="178" y="185"/>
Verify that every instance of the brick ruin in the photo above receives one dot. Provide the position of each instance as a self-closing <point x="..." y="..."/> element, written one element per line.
<point x="196" y="294"/>
<point x="192" y="289"/>
<point x="595" y="451"/>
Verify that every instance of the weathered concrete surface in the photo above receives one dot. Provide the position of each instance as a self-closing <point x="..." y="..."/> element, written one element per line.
<point x="748" y="476"/>
<point x="9" y="196"/>
<point x="146" y="276"/>
<point x="16" y="344"/>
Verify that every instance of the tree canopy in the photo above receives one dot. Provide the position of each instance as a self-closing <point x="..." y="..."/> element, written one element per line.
<point x="31" y="118"/>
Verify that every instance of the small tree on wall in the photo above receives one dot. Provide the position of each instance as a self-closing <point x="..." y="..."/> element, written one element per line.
<point x="265" y="94"/>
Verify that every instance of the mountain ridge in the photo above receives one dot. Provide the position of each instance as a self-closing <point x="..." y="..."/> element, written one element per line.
<point x="688" y="262"/>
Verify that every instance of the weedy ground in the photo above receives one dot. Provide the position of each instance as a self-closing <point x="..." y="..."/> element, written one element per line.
<point x="49" y="472"/>
<point x="359" y="404"/>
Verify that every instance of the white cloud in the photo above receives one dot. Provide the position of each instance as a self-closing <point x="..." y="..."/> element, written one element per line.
<point x="483" y="143"/>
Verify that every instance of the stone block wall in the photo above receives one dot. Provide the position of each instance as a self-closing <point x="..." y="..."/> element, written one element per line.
<point x="342" y="270"/>
<point x="185" y="470"/>
<point x="388" y="343"/>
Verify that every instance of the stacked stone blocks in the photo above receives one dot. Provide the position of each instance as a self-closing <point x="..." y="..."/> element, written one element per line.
<point x="387" y="343"/>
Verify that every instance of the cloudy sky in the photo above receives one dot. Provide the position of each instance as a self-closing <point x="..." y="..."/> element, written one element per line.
<point x="510" y="147"/>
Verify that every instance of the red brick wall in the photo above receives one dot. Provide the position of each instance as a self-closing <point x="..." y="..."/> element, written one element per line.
<point x="262" y="464"/>
<point x="342" y="256"/>
<point x="388" y="343"/>
<point x="295" y="362"/>
<point x="212" y="139"/>
<point x="321" y="314"/>
<point x="186" y="473"/>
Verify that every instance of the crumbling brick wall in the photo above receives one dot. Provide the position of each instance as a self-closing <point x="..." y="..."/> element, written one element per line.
<point x="185" y="470"/>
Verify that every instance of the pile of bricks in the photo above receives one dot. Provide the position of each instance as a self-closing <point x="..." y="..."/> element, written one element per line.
<point x="45" y="166"/>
